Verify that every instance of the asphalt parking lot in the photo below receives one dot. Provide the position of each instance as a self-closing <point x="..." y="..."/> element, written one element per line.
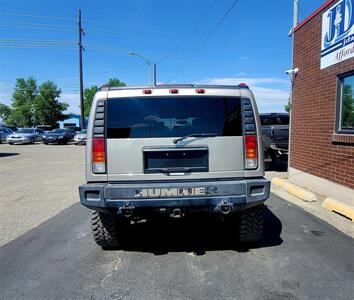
<point x="37" y="181"/>
<point x="47" y="251"/>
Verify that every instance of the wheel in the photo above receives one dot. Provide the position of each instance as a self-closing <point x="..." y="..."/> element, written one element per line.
<point x="11" y="143"/>
<point x="251" y="224"/>
<point x="107" y="229"/>
<point x="32" y="141"/>
<point x="46" y="143"/>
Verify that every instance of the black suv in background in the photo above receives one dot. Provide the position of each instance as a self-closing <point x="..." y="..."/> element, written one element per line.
<point x="59" y="136"/>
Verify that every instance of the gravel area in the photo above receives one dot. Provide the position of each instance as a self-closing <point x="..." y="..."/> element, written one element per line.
<point x="36" y="183"/>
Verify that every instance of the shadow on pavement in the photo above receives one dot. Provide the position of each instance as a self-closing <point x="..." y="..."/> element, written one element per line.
<point x="278" y="166"/>
<point x="2" y="154"/>
<point x="196" y="234"/>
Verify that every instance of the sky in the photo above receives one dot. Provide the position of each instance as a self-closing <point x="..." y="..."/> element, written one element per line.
<point x="39" y="38"/>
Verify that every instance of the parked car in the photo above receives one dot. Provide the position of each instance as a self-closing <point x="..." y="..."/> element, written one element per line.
<point x="75" y="128"/>
<point x="13" y="128"/>
<point x="25" y="136"/>
<point x="80" y="138"/>
<point x="59" y="136"/>
<point x="4" y="132"/>
<point x="275" y="132"/>
<point x="151" y="152"/>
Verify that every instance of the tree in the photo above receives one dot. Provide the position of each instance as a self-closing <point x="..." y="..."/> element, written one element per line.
<point x="22" y="102"/>
<point x="115" y="82"/>
<point x="288" y="106"/>
<point x="89" y="93"/>
<point x="47" y="108"/>
<point x="33" y="106"/>
<point x="5" y="113"/>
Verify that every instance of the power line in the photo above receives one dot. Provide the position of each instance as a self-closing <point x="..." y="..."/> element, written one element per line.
<point x="35" y="24"/>
<point x="36" y="16"/>
<point x="123" y="27"/>
<point x="113" y="49"/>
<point x="188" y="35"/>
<point x="36" y="41"/>
<point x="123" y="35"/>
<point x="206" y="39"/>
<point x="35" y="27"/>
<point x="12" y="81"/>
<point x="86" y="20"/>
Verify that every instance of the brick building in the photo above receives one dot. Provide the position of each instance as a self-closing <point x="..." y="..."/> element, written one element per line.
<point x="322" y="134"/>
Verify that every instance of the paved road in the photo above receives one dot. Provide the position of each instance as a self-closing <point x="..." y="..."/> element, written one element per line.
<point x="36" y="182"/>
<point x="301" y="257"/>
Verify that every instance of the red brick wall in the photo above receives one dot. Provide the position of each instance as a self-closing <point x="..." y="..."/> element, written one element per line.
<point x="313" y="147"/>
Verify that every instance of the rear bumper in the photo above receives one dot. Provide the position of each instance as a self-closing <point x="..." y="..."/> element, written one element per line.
<point x="213" y="195"/>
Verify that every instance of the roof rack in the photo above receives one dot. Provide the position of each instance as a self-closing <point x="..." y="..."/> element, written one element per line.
<point x="106" y="87"/>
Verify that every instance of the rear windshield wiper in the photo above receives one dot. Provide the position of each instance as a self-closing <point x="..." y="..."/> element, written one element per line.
<point x="194" y="135"/>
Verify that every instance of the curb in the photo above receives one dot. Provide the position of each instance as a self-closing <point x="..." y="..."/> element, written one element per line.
<point x="295" y="190"/>
<point x="339" y="207"/>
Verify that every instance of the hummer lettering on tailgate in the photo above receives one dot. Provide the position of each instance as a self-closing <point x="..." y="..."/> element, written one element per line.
<point x="170" y="192"/>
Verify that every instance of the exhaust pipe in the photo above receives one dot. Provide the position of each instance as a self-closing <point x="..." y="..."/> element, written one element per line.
<point x="176" y="213"/>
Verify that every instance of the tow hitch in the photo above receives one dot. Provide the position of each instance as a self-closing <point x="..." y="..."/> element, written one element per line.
<point x="225" y="207"/>
<point x="127" y="210"/>
<point x="176" y="213"/>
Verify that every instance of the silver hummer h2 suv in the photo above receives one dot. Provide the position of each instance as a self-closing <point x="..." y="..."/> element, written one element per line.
<point x="174" y="150"/>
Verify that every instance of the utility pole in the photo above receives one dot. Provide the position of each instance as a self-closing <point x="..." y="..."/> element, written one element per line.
<point x="292" y="76"/>
<point x="154" y="74"/>
<point x="81" y="32"/>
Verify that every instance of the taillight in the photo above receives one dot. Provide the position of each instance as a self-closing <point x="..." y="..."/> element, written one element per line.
<point x="98" y="155"/>
<point x="173" y="91"/>
<point x="251" y="152"/>
<point x="147" y="92"/>
<point x="200" y="91"/>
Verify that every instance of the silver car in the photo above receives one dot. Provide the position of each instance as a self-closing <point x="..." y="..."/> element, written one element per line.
<point x="174" y="151"/>
<point x="80" y="138"/>
<point x="25" y="136"/>
<point x="4" y="132"/>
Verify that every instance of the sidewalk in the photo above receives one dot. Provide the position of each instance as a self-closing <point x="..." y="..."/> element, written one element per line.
<point x="318" y="205"/>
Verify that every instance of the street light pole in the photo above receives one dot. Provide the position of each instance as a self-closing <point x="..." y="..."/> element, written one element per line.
<point x="147" y="61"/>
<point x="154" y="74"/>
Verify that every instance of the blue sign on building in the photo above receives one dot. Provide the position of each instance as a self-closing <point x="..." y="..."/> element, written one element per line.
<point x="337" y="33"/>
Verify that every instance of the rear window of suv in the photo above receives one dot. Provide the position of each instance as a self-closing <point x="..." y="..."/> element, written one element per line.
<point x="274" y="119"/>
<point x="152" y="117"/>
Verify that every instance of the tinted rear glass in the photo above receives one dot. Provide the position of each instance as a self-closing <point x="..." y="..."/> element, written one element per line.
<point x="143" y="117"/>
<point x="274" y="119"/>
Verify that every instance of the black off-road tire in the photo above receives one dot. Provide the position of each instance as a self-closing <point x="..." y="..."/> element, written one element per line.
<point x="107" y="229"/>
<point x="251" y="224"/>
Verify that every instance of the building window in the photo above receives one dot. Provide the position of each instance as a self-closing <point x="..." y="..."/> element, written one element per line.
<point x="345" y="114"/>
